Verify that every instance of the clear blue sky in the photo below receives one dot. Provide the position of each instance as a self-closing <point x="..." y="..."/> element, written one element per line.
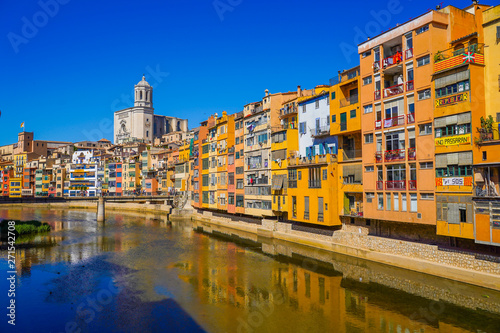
<point x="65" y="72"/>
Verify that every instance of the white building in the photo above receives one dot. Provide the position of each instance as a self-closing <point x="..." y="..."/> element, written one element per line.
<point x="314" y="125"/>
<point x="139" y="123"/>
<point x="83" y="175"/>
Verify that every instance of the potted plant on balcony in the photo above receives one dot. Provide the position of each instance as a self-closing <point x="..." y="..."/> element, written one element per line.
<point x="439" y="56"/>
<point x="485" y="131"/>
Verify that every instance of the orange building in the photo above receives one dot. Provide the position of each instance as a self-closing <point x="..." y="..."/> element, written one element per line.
<point x="239" y="163"/>
<point x="225" y="140"/>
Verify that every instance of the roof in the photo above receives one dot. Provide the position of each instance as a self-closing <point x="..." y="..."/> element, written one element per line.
<point x="143" y="83"/>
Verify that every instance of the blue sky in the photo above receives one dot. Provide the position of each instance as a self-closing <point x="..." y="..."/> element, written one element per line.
<point x="68" y="64"/>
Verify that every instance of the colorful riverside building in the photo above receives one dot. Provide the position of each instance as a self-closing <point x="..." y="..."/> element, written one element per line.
<point x="312" y="192"/>
<point x="29" y="177"/>
<point x="239" y="163"/>
<point x="82" y="174"/>
<point x="458" y="91"/>
<point x="345" y="115"/>
<point x="225" y="140"/>
<point x="212" y="165"/>
<point x="199" y="135"/>
<point x="486" y="195"/>
<point x="396" y="99"/>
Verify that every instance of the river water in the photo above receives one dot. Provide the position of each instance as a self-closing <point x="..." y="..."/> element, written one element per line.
<point x="142" y="273"/>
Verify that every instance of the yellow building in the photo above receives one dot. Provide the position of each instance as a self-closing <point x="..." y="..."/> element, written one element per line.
<point x="458" y="77"/>
<point x="284" y="142"/>
<point x="345" y="115"/>
<point x="312" y="192"/>
<point x="15" y="187"/>
<point x="486" y="196"/>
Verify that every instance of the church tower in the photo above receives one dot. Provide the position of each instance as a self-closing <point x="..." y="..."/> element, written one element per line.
<point x="143" y="94"/>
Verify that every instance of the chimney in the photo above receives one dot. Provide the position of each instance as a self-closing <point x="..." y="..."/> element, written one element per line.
<point x="474" y="2"/>
<point x="299" y="91"/>
<point x="267" y="92"/>
<point x="438" y="7"/>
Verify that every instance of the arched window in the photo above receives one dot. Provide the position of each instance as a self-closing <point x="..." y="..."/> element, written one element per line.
<point x="140" y="94"/>
<point x="147" y="134"/>
<point x="178" y="125"/>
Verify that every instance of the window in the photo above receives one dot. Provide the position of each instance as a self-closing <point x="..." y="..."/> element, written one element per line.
<point x="306" y="208"/>
<point x="422" y="61"/>
<point x="369" y="168"/>
<point x="369" y="138"/>
<point x="292" y="178"/>
<point x="334" y="118"/>
<point x="424" y="94"/>
<point x="369" y="196"/>
<point x="396" y="201"/>
<point x="316" y="105"/>
<point x="380" y="198"/>
<point x="367" y="80"/>
<point x="449" y="130"/>
<point x="427" y="196"/>
<point x="426" y="165"/>
<point x="403" y="202"/>
<point x="333" y="95"/>
<point x="366" y="54"/>
<point x="454" y="170"/>
<point x="325" y="174"/>
<point x="453" y="88"/>
<point x="300" y="175"/>
<point x="463" y="214"/>
<point x="422" y="29"/>
<point x="413" y="202"/>
<point x="388" y="201"/>
<point x="353" y="114"/>
<point x="294" y="206"/>
<point x="425" y="129"/>
<point x="314" y="177"/>
<point x="302" y="128"/>
<point x="368" y="108"/>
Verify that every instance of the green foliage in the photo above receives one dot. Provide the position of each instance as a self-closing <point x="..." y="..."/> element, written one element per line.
<point x="487" y="124"/>
<point x="25" y="227"/>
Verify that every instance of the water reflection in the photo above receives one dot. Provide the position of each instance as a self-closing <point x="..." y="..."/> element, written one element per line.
<point x="163" y="276"/>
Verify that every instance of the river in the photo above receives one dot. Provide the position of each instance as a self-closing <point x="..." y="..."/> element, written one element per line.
<point x="142" y="273"/>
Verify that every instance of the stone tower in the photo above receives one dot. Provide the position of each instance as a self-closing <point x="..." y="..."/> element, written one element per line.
<point x="143" y="94"/>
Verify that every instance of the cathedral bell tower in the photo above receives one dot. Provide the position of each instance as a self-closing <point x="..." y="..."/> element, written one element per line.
<point x="143" y="94"/>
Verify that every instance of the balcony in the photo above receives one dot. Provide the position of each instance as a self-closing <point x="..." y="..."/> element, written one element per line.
<point x="395" y="185"/>
<point x="321" y="131"/>
<point x="394" y="121"/>
<point x="376" y="95"/>
<point x="314" y="183"/>
<point x="412" y="185"/>
<point x="378" y="157"/>
<point x="355" y="211"/>
<point x="394" y="155"/>
<point x="450" y="58"/>
<point x="288" y="110"/>
<point x="376" y="65"/>
<point x="394" y="90"/>
<point x="410" y="118"/>
<point x="380" y="185"/>
<point x="312" y="160"/>
<point x="409" y="85"/>
<point x="378" y="124"/>
<point x="409" y="53"/>
<point x="412" y="154"/>
<point x="394" y="59"/>
<point x="351" y="154"/>
<point x="349" y="101"/>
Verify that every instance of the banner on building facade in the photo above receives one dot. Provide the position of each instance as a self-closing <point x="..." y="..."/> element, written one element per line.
<point x="452" y="99"/>
<point x="454" y="181"/>
<point x="453" y="140"/>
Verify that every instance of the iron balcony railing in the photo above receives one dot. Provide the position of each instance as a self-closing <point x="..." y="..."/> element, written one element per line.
<point x="409" y="53"/>
<point x="394" y="155"/>
<point x="378" y="124"/>
<point x="394" y="121"/>
<point x="376" y="65"/>
<point x="380" y="185"/>
<point x="321" y="131"/>
<point x="378" y="156"/>
<point x="353" y="99"/>
<point x="412" y="154"/>
<point x="394" y="90"/>
<point x="395" y="185"/>
<point x="410" y="118"/>
<point x="412" y="184"/>
<point x="394" y="59"/>
<point x="377" y="95"/>
<point x="409" y="85"/>
<point x="351" y="154"/>
<point x="443" y="55"/>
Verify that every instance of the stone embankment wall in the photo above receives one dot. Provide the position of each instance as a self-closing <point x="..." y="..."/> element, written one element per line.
<point x="469" y="267"/>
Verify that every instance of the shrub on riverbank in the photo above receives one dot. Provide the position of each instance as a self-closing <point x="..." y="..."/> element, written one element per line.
<point x="25" y="227"/>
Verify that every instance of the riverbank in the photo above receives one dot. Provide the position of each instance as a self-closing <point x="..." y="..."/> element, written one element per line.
<point x="476" y="269"/>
